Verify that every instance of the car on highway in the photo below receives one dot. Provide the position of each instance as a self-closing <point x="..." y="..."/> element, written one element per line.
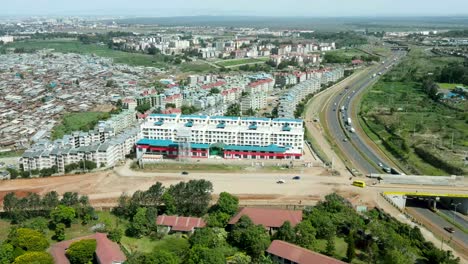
<point x="296" y="178"/>
<point x="185" y="173"/>
<point x="280" y="181"/>
<point x="449" y="229"/>
<point x="380" y="164"/>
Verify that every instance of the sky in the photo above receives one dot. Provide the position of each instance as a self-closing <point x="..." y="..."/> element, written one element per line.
<point x="165" y="8"/>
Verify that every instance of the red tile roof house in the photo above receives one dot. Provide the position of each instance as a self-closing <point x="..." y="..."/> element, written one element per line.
<point x="107" y="252"/>
<point x="271" y="219"/>
<point x="180" y="223"/>
<point x="284" y="252"/>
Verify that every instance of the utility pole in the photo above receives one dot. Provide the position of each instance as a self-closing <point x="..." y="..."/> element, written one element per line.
<point x="455" y="210"/>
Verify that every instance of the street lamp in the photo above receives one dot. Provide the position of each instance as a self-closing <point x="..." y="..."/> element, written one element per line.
<point x="455" y="210"/>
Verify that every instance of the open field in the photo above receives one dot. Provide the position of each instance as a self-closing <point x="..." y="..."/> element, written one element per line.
<point x="74" y="46"/>
<point x="449" y="86"/>
<point x="83" y="121"/>
<point x="398" y="115"/>
<point x="235" y="62"/>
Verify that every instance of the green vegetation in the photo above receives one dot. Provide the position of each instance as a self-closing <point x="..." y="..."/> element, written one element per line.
<point x="13" y="153"/>
<point x="341" y="39"/>
<point x="448" y="86"/>
<point x="405" y="114"/>
<point x="75" y="46"/>
<point x="347" y="55"/>
<point x="236" y="62"/>
<point x="331" y="227"/>
<point x="83" y="121"/>
<point x="82" y="251"/>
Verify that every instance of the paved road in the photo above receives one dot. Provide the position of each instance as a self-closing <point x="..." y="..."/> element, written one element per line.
<point x="458" y="219"/>
<point x="355" y="148"/>
<point x="441" y="222"/>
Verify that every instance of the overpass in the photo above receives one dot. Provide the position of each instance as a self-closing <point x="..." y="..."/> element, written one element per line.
<point x="399" y="199"/>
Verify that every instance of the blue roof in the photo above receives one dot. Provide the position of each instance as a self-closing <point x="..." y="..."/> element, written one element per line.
<point x="168" y="143"/>
<point x="287" y="120"/>
<point x="156" y="142"/>
<point x="194" y="116"/>
<point x="163" y="115"/>
<point x="270" y="148"/>
<point x="255" y="119"/>
<point x="225" y="117"/>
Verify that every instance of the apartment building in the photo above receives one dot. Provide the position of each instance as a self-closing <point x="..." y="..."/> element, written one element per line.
<point x="254" y="101"/>
<point x="228" y="137"/>
<point x="61" y="153"/>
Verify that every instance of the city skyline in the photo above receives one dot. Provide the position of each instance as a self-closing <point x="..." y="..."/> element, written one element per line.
<point x="303" y="8"/>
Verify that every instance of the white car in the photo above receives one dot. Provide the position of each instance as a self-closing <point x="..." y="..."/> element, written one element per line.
<point x="281" y="181"/>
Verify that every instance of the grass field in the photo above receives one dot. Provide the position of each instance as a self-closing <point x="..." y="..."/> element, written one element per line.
<point x="449" y="86"/>
<point x="83" y="121"/>
<point x="74" y="46"/>
<point x="235" y="62"/>
<point x="9" y="154"/>
<point x="399" y="115"/>
<point x="196" y="67"/>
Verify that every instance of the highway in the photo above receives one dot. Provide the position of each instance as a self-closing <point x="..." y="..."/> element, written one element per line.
<point x="441" y="222"/>
<point x="353" y="147"/>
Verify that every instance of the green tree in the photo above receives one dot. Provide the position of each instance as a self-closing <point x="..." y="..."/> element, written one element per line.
<point x="330" y="247"/>
<point x="138" y="225"/>
<point x="203" y="255"/>
<point x="162" y="257"/>
<point x="285" y="233"/>
<point x="143" y="108"/>
<point x="240" y="258"/>
<point x="6" y="253"/>
<point x="115" y="235"/>
<point x="227" y="203"/>
<point x="192" y="198"/>
<point x="233" y="110"/>
<point x="38" y="223"/>
<point x="305" y="234"/>
<point x="69" y="199"/>
<point x="169" y="203"/>
<point x="59" y="232"/>
<point x="81" y="252"/>
<point x="34" y="258"/>
<point x="50" y="200"/>
<point x="214" y="90"/>
<point x="396" y="257"/>
<point x="63" y="214"/>
<point x="28" y="239"/>
<point x="254" y="240"/>
<point x="351" y="250"/>
<point x="218" y="219"/>
<point x="208" y="237"/>
<point x="153" y="196"/>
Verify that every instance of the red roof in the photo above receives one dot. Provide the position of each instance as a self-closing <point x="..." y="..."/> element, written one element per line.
<point x="259" y="82"/>
<point x="269" y="217"/>
<point x="180" y="223"/>
<point x="212" y="85"/>
<point x="171" y="111"/>
<point x="107" y="251"/>
<point x="298" y="254"/>
<point x="357" y="61"/>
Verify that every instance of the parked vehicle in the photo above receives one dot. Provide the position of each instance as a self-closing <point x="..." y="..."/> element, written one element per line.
<point x="352" y="130"/>
<point x="361" y="184"/>
<point x="348" y="121"/>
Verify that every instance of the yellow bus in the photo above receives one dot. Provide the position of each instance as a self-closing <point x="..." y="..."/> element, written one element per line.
<point x="361" y="184"/>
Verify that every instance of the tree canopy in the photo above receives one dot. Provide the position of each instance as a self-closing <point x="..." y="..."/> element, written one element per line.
<point x="82" y="251"/>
